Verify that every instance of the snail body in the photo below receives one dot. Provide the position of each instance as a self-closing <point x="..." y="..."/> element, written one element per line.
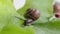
<point x="27" y="22"/>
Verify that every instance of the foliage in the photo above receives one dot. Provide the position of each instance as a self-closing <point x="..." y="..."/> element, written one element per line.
<point x="9" y="24"/>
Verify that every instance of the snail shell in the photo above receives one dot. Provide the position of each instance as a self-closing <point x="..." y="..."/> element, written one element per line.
<point x="56" y="9"/>
<point x="32" y="14"/>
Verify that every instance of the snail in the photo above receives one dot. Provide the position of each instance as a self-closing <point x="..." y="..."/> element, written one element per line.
<point x="56" y="9"/>
<point x="32" y="15"/>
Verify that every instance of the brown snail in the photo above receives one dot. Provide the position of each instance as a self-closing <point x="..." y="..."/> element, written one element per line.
<point x="32" y="14"/>
<point x="56" y="9"/>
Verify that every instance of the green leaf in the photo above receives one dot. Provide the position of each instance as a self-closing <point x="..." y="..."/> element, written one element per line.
<point x="43" y="25"/>
<point x="44" y="6"/>
<point x="52" y="27"/>
<point x="9" y="24"/>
